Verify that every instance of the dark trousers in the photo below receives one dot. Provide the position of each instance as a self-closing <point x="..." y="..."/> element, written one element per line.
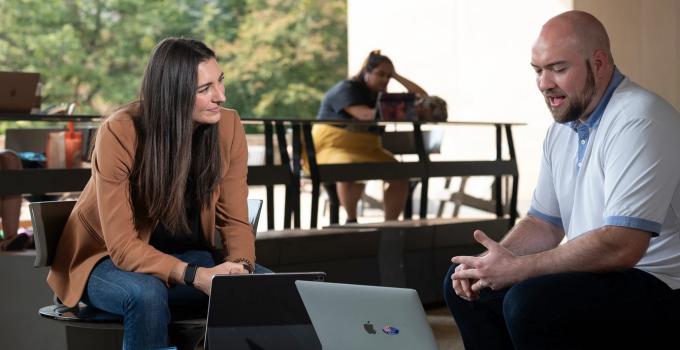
<point x="630" y="309"/>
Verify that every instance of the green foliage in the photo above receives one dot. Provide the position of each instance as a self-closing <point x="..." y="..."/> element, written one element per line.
<point x="279" y="56"/>
<point x="287" y="53"/>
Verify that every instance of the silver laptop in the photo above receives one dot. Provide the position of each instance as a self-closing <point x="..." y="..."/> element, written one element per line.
<point x="348" y="316"/>
<point x="259" y="312"/>
<point x="18" y="92"/>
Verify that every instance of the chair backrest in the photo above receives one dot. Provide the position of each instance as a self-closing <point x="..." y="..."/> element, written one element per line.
<point x="49" y="219"/>
<point x="254" y="209"/>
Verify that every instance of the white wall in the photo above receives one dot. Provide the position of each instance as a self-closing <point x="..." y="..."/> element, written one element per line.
<point x="474" y="54"/>
<point x="645" y="37"/>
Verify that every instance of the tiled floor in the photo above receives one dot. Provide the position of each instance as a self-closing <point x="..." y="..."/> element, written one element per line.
<point x="444" y="328"/>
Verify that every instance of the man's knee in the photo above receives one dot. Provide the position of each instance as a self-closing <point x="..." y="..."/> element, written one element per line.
<point x="450" y="295"/>
<point x="517" y="305"/>
<point x="448" y="286"/>
<point x="535" y="307"/>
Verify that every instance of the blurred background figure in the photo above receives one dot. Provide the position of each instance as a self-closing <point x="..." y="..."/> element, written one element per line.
<point x="355" y="99"/>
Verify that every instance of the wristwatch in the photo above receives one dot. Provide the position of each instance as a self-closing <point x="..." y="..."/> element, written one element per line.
<point x="246" y="264"/>
<point x="190" y="274"/>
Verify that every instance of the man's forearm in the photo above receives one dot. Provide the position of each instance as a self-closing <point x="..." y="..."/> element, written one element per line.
<point x="608" y="248"/>
<point x="532" y="235"/>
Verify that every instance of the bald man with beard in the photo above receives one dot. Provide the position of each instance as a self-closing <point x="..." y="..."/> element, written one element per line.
<point x="596" y="262"/>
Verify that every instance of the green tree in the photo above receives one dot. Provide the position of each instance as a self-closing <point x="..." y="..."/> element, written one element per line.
<point x="278" y="55"/>
<point x="286" y="55"/>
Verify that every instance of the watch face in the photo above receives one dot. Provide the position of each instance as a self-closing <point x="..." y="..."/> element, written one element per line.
<point x="190" y="274"/>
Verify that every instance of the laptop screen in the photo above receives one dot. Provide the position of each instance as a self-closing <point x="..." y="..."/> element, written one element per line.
<point x="396" y="106"/>
<point x="18" y="92"/>
<point x="261" y="311"/>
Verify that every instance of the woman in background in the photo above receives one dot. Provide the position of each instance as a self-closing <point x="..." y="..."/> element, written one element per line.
<point x="169" y="173"/>
<point x="355" y="99"/>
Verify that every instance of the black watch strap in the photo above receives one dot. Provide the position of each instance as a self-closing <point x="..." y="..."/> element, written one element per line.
<point x="190" y="274"/>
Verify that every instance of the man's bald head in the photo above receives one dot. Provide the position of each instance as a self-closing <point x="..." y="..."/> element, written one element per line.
<point x="573" y="64"/>
<point x="580" y="29"/>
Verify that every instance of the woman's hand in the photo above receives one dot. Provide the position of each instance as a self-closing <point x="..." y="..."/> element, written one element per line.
<point x="408" y="84"/>
<point x="204" y="275"/>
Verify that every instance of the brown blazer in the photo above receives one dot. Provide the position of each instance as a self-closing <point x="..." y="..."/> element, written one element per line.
<point x="101" y="223"/>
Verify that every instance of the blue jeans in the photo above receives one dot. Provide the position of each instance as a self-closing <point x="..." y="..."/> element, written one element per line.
<point x="144" y="302"/>
<point x="628" y="309"/>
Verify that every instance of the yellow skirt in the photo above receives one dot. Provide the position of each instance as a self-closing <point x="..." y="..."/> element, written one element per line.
<point x="336" y="146"/>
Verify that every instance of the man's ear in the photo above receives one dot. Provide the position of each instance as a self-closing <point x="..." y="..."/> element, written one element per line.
<point x="600" y="63"/>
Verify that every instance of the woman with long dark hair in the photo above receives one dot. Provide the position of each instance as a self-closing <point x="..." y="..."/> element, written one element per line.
<point x="355" y="99"/>
<point x="168" y="174"/>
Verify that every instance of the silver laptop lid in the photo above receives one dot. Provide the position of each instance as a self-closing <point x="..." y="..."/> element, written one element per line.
<point x="347" y="316"/>
<point x="18" y="91"/>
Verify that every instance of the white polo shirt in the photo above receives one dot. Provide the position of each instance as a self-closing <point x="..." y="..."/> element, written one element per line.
<point x="621" y="168"/>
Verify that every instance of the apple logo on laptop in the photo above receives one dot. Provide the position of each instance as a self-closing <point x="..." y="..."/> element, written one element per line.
<point x="368" y="327"/>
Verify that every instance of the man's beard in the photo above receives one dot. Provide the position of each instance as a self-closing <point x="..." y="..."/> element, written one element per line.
<point x="578" y="104"/>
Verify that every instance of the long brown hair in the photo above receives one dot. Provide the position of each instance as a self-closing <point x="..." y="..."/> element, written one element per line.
<point x="173" y="159"/>
<point x="374" y="59"/>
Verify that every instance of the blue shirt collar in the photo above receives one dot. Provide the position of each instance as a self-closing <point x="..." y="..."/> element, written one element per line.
<point x="594" y="118"/>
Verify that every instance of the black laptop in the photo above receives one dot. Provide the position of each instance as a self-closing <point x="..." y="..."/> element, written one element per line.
<point x="260" y="312"/>
<point x="18" y="92"/>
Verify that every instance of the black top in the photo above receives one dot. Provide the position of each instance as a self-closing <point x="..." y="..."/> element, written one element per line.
<point x="344" y="94"/>
<point x="171" y="243"/>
